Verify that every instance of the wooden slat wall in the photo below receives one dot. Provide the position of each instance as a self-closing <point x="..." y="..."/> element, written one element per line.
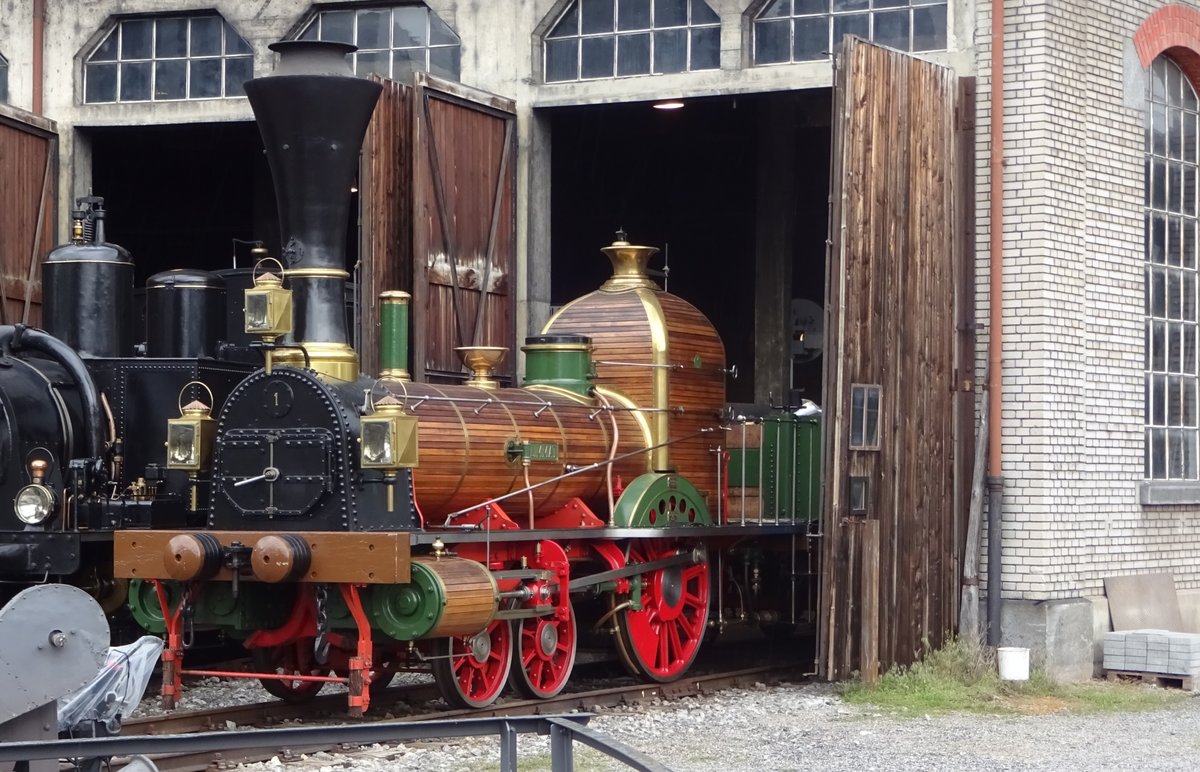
<point x="28" y="191"/>
<point x="890" y="577"/>
<point x="386" y="183"/>
<point x="464" y="185"/>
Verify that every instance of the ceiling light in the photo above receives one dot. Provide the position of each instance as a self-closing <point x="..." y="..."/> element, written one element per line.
<point x="673" y="104"/>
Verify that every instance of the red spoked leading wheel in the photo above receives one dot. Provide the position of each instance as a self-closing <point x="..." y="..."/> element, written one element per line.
<point x="289" y="659"/>
<point x="661" y="640"/>
<point x="471" y="671"/>
<point x="544" y="655"/>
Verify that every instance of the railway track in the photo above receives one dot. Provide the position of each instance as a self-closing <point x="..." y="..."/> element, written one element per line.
<point x="327" y="707"/>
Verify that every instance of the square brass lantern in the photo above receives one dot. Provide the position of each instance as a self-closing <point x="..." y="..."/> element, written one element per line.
<point x="190" y="440"/>
<point x="389" y="440"/>
<point x="268" y="309"/>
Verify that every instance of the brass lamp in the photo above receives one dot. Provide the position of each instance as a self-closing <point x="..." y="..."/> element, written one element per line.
<point x="190" y="438"/>
<point x="268" y="309"/>
<point x="389" y="437"/>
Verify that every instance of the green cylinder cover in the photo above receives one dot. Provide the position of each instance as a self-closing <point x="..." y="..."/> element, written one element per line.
<point x="145" y="608"/>
<point x="393" y="335"/>
<point x="564" y="361"/>
<point x="410" y="611"/>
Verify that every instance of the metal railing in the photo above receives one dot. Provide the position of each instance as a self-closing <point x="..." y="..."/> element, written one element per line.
<point x="564" y="731"/>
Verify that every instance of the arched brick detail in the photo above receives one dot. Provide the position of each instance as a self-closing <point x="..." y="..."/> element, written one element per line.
<point x="1173" y="30"/>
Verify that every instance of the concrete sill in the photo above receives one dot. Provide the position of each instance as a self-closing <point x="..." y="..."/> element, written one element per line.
<point x="1158" y="493"/>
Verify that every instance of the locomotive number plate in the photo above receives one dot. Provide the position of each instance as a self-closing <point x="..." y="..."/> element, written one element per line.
<point x="278" y="397"/>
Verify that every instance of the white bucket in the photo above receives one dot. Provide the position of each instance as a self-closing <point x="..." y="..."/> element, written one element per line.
<point x="1013" y="662"/>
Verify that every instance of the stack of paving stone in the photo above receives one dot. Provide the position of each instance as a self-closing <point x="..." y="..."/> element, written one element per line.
<point x="1152" y="651"/>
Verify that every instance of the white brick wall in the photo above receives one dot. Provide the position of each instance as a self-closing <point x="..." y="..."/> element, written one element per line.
<point x="1073" y="347"/>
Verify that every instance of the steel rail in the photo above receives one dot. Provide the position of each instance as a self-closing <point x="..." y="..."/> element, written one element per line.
<point x="275" y="711"/>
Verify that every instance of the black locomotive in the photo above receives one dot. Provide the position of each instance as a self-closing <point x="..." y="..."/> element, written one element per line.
<point x="76" y="458"/>
<point x="347" y="526"/>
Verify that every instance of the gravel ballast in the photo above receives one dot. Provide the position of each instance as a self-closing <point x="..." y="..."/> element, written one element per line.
<point x="807" y="727"/>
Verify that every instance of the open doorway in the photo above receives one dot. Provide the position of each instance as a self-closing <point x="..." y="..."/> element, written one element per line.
<point x="177" y="196"/>
<point x="737" y="218"/>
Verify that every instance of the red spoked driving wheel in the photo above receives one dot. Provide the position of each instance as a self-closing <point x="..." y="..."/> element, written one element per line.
<point x="660" y="640"/>
<point x="545" y="655"/>
<point x="472" y="670"/>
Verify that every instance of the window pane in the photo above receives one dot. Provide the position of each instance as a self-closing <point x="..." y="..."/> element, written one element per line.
<point x="1158" y="453"/>
<point x="706" y="48"/>
<point x="670" y="50"/>
<point x="872" y="422"/>
<point x="408" y="27"/>
<point x="1175" y="453"/>
<point x="1174" y="295"/>
<point x="562" y="60"/>
<point x="703" y="14"/>
<point x="812" y="39"/>
<point x="780" y="9"/>
<point x="1158" y="347"/>
<point x="668" y="13"/>
<point x="597" y="58"/>
<point x="1189" y="137"/>
<point x="135" y="40"/>
<point x="1188" y="245"/>
<point x="1158" y="237"/>
<point x="170" y="79"/>
<point x="1174" y="188"/>
<point x="206" y="36"/>
<point x="238" y="70"/>
<point x="1187" y="310"/>
<point x="1158" y="189"/>
<point x="101" y="83"/>
<point x="439" y="33"/>
<point x="929" y="28"/>
<point x="235" y="43"/>
<point x="596" y="16"/>
<point x="633" y="54"/>
<point x="850" y="5"/>
<point x="1188" y="192"/>
<point x="1175" y="134"/>
<point x="311" y="32"/>
<point x="171" y="39"/>
<point x="206" y="78"/>
<point x="891" y="29"/>
<point x="444" y="62"/>
<point x="1159" y="401"/>
<point x="1158" y="128"/>
<point x="135" y="81"/>
<point x="338" y="26"/>
<point x="811" y="6"/>
<point x="1158" y="289"/>
<point x="633" y="15"/>
<point x="771" y="42"/>
<point x="857" y="415"/>
<point x="373" y="31"/>
<point x="1174" y="236"/>
<point x="367" y="62"/>
<point x="856" y="24"/>
<point x="107" y="50"/>
<point x="405" y="61"/>
<point x="568" y="25"/>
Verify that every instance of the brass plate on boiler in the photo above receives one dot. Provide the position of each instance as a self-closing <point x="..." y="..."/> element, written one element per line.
<point x="359" y="558"/>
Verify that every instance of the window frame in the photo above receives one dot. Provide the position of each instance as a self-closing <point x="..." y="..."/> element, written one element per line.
<point x="238" y="50"/>
<point x="867" y="8"/>
<point x="578" y="37"/>
<point x="316" y="17"/>
<point x="1171" y="279"/>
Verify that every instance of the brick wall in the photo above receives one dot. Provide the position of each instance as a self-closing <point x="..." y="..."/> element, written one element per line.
<point x="1073" y="331"/>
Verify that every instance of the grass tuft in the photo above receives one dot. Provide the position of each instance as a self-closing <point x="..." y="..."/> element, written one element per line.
<point x="962" y="676"/>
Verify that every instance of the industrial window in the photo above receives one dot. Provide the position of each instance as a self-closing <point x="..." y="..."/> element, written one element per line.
<point x="809" y="30"/>
<point x="3" y="79"/>
<point x="392" y="41"/>
<point x="1170" y="273"/>
<point x="864" y="416"/>
<point x="168" y="58"/>
<point x="616" y="38"/>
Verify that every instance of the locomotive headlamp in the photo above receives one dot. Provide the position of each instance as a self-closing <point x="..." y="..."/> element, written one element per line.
<point x="190" y="437"/>
<point x="34" y="504"/>
<point x="389" y="437"/>
<point x="268" y="310"/>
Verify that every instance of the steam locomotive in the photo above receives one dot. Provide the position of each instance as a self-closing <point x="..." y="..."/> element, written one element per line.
<point x="348" y="526"/>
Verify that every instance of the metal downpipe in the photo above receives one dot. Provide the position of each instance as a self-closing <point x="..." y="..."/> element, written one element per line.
<point x="995" y="480"/>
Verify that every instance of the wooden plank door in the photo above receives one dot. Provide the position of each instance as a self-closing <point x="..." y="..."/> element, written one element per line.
<point x="28" y="192"/>
<point x="439" y="187"/>
<point x="891" y="554"/>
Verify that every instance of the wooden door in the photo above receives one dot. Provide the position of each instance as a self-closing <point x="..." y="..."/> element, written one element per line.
<point x="439" y="220"/>
<point x="28" y="192"/>
<point x="896" y="361"/>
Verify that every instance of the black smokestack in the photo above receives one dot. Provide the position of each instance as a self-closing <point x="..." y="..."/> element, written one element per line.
<point x="312" y="114"/>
